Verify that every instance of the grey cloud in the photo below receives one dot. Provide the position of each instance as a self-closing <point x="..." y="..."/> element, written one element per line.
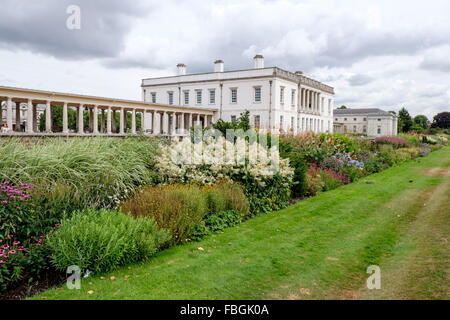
<point x="359" y="80"/>
<point x="40" y="26"/>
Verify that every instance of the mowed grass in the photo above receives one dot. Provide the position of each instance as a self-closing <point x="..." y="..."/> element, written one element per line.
<point x="318" y="248"/>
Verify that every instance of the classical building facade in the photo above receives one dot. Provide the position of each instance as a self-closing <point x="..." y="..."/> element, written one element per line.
<point x="370" y="122"/>
<point x="276" y="99"/>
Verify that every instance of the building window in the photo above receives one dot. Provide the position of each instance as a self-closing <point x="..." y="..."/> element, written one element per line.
<point x="293" y="97"/>
<point x="345" y="129"/>
<point x="233" y="118"/>
<point x="282" y="95"/>
<point x="335" y="119"/>
<point x="258" y="94"/>
<point x="354" y="119"/>
<point x="364" y="119"/>
<point x="379" y="130"/>
<point x="329" y="106"/>
<point x="186" y="97"/>
<point x="292" y="122"/>
<point x="281" y="121"/>
<point x="199" y="96"/>
<point x="345" y="119"/>
<point x="234" y="95"/>
<point x="364" y="129"/>
<point x="323" y="102"/>
<point x="170" y="97"/>
<point x="354" y="129"/>
<point x="153" y="97"/>
<point x="212" y="96"/>
<point x="379" y="119"/>
<point x="257" y="121"/>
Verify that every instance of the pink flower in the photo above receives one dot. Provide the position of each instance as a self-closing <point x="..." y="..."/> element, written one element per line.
<point x="12" y="252"/>
<point x="1" y="261"/>
<point x="5" y="246"/>
<point x="4" y="202"/>
<point x="18" y="208"/>
<point x="16" y="243"/>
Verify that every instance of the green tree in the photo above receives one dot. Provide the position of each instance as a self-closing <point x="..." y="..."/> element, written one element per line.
<point x="421" y="121"/>
<point x="342" y="107"/>
<point x="404" y="121"/>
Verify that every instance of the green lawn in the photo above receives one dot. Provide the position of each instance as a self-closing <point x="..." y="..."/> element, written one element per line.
<point x="317" y="249"/>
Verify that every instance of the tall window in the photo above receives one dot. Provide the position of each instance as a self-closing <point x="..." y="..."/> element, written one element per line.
<point x="258" y="94"/>
<point x="170" y="97"/>
<point x="153" y="97"/>
<point x="282" y="95"/>
<point x="292" y="122"/>
<point x="281" y="121"/>
<point x="199" y="96"/>
<point x="186" y="97"/>
<point x="233" y="118"/>
<point x="212" y="96"/>
<point x="379" y="130"/>
<point x="293" y="97"/>
<point x="233" y="95"/>
<point x="354" y="129"/>
<point x="257" y="121"/>
<point x="364" y="129"/>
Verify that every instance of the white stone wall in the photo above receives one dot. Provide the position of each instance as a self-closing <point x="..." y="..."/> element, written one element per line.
<point x="368" y="124"/>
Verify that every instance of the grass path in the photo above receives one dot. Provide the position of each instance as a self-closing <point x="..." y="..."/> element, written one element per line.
<point x="317" y="249"/>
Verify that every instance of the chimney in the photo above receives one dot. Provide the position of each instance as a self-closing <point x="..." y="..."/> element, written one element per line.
<point x="258" y="61"/>
<point x="218" y="66"/>
<point x="181" y="67"/>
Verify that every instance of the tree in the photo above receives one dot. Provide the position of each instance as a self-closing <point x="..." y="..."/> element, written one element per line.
<point x="242" y="123"/>
<point x="404" y="121"/>
<point x="421" y="121"/>
<point x="441" y="120"/>
<point x="342" y="107"/>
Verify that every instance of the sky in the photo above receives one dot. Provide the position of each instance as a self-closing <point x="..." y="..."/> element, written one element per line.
<point x="375" y="53"/>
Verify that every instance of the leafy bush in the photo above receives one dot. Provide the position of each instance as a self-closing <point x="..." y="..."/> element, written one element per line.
<point x="320" y="180"/>
<point x="266" y="188"/>
<point x="216" y="222"/>
<point x="393" y="141"/>
<point x="103" y="240"/>
<point x="179" y="208"/>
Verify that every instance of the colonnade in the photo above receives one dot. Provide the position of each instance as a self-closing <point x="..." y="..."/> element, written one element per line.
<point x="102" y="113"/>
<point x="310" y="101"/>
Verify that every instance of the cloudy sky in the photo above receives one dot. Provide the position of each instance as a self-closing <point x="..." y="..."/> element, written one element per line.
<point x="376" y="53"/>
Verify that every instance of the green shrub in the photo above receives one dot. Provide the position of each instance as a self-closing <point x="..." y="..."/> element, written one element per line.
<point x="102" y="240"/>
<point x="179" y="208"/>
<point x="215" y="223"/>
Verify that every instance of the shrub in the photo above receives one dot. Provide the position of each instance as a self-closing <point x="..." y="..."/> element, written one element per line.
<point x="424" y="151"/>
<point x="103" y="240"/>
<point x="179" y="208"/>
<point x="216" y="222"/>
<point x="267" y="188"/>
<point x="16" y="211"/>
<point x="393" y="141"/>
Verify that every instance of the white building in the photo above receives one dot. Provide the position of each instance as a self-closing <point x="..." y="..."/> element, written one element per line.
<point x="370" y="122"/>
<point x="277" y="99"/>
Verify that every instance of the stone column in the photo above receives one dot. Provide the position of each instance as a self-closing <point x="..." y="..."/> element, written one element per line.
<point x="182" y="124"/>
<point x="9" y="113"/>
<point x="122" y="121"/>
<point x="205" y="121"/>
<point x="17" y="116"/>
<point x="102" y="121"/>
<point x="166" y="123"/>
<point x="35" y="119"/>
<point x="190" y="121"/>
<point x="109" y="122"/>
<point x="95" y="120"/>
<point x="29" y="128"/>
<point x="1" y="113"/>
<point x="143" y="121"/>
<point x="304" y="99"/>
<point x="48" y="117"/>
<point x="133" y="121"/>
<point x="154" y="124"/>
<point x="65" y="118"/>
<point x="80" y="119"/>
